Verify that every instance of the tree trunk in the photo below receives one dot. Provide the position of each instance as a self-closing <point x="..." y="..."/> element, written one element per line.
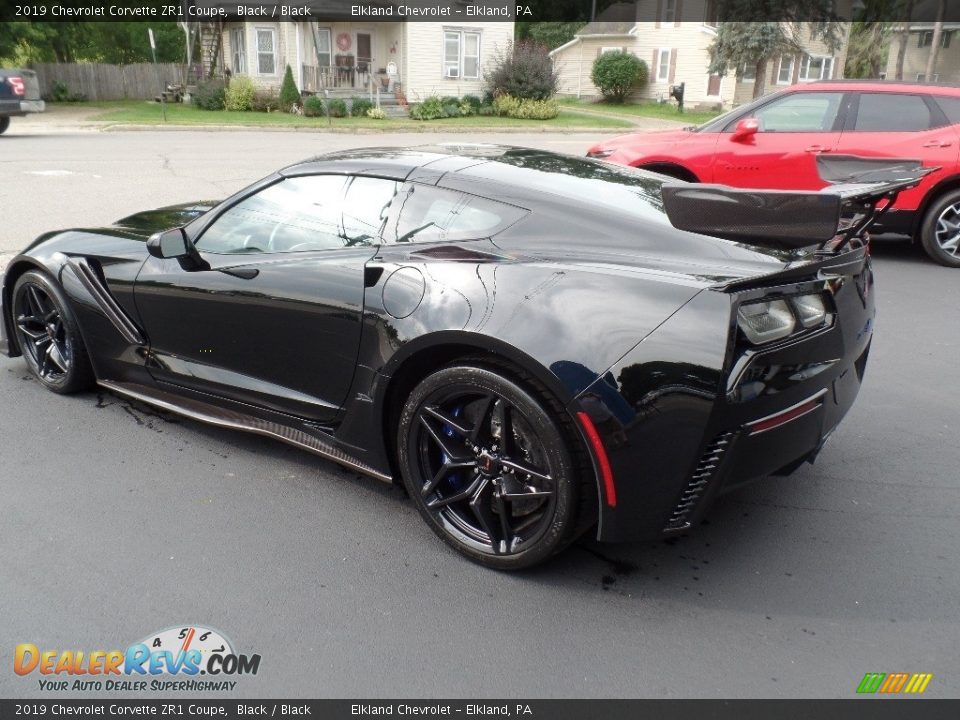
<point x="935" y="43"/>
<point x="904" y="39"/>
<point x="760" y="81"/>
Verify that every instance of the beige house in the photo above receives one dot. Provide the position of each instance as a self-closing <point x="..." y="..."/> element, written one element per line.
<point x="416" y="59"/>
<point x="673" y="38"/>
<point x="917" y="54"/>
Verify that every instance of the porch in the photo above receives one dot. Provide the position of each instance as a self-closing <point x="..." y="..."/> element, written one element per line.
<point x="351" y="57"/>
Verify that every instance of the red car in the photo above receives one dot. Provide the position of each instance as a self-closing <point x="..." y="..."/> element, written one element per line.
<point x="771" y="143"/>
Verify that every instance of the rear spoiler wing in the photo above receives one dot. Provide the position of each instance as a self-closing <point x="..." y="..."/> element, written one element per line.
<point x="860" y="191"/>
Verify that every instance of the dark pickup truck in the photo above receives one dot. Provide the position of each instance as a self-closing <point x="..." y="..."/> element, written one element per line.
<point x="19" y="95"/>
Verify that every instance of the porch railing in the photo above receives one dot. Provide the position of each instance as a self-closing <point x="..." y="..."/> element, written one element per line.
<point x="347" y="72"/>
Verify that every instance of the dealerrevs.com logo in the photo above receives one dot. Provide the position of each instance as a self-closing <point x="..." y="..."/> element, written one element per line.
<point x="170" y="660"/>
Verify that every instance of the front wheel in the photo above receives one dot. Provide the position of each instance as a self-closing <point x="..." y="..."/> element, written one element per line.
<point x="48" y="334"/>
<point x="4" y="124"/>
<point x="486" y="463"/>
<point x="940" y="233"/>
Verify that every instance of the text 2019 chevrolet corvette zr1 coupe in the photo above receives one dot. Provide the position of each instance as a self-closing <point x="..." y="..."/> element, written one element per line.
<point x="536" y="344"/>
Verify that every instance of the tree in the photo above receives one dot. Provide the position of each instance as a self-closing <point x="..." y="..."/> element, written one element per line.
<point x="289" y="95"/>
<point x="867" y="49"/>
<point x="904" y="38"/>
<point x="76" y="41"/>
<point x="523" y="70"/>
<point x="753" y="44"/>
<point x="553" y="34"/>
<point x="935" y="41"/>
<point x="617" y="73"/>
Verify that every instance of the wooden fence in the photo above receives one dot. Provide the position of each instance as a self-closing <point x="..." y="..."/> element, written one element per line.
<point x="98" y="81"/>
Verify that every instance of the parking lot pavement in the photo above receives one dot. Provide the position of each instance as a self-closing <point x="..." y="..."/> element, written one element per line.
<point x="118" y="521"/>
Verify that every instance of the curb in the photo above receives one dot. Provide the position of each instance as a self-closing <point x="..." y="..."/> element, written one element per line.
<point x="141" y="127"/>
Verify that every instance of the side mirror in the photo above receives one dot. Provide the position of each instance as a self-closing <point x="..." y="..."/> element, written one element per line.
<point x="745" y="128"/>
<point x="169" y="244"/>
<point x="174" y="244"/>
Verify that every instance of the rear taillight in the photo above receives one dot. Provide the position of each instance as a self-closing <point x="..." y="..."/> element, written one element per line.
<point x="774" y="319"/>
<point x="17" y="84"/>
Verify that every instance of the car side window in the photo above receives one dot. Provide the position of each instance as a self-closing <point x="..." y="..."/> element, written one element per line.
<point x="950" y="107"/>
<point x="892" y="112"/>
<point x="366" y="208"/>
<point x="430" y="214"/>
<point x="294" y="215"/>
<point x="800" y="112"/>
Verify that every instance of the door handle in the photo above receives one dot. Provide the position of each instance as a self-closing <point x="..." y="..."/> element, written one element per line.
<point x="937" y="144"/>
<point x="817" y="149"/>
<point x="242" y="273"/>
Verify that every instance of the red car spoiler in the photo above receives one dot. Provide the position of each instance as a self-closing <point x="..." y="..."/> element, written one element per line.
<point x="861" y="190"/>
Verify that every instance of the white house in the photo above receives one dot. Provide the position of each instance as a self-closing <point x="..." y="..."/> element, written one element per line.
<point x="416" y="59"/>
<point x="673" y="38"/>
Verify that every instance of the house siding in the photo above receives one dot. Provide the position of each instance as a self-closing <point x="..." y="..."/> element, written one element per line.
<point x="690" y="43"/>
<point x="423" y="57"/>
<point x="915" y="58"/>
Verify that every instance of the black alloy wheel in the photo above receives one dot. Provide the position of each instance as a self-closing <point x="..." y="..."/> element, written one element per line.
<point x="48" y="335"/>
<point x="486" y="463"/>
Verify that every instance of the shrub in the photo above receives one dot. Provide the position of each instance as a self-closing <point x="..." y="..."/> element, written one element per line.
<point x="525" y="109"/>
<point x="466" y="108"/>
<point x="430" y="109"/>
<point x="473" y="101"/>
<point x="289" y="95"/>
<point x="336" y="108"/>
<point x="210" y="95"/>
<point x="313" y="106"/>
<point x="239" y="94"/>
<point x="359" y="107"/>
<point x="486" y="110"/>
<point x="451" y="109"/>
<point x="450" y="100"/>
<point x="377" y="113"/>
<point x="267" y="100"/>
<point x="524" y="71"/>
<point x="616" y="74"/>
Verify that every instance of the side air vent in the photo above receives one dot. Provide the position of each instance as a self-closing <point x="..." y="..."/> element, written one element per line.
<point x="699" y="480"/>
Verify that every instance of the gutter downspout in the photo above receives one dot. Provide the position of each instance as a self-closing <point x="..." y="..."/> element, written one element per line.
<point x="299" y="28"/>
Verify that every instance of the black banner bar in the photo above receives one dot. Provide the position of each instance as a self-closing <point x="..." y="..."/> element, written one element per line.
<point x="923" y="12"/>
<point x="875" y="708"/>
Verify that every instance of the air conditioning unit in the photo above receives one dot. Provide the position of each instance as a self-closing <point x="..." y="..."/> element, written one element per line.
<point x="453" y="72"/>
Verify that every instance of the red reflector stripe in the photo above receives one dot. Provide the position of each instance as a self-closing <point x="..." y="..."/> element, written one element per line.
<point x="775" y="421"/>
<point x="606" y="474"/>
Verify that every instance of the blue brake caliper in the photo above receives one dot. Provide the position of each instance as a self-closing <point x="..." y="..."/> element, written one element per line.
<point x="454" y="480"/>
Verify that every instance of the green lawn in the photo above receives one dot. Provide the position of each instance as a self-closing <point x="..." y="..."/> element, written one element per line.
<point x="138" y="112"/>
<point x="667" y="111"/>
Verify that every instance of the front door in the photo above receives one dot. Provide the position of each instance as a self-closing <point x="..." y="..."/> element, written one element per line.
<point x="794" y="129"/>
<point x="275" y="321"/>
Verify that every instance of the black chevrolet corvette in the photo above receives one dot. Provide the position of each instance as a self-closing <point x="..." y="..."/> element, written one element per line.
<point x="537" y="345"/>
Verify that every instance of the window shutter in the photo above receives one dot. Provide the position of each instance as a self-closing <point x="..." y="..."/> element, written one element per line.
<point x="678" y="9"/>
<point x="654" y="66"/>
<point x="673" y="65"/>
<point x="659" y="13"/>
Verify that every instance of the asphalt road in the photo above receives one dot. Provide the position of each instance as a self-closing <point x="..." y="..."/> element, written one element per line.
<point x="117" y="521"/>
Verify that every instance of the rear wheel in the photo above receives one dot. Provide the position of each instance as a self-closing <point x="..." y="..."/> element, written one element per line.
<point x="940" y="233"/>
<point x="486" y="463"/>
<point x="4" y="124"/>
<point x="48" y="334"/>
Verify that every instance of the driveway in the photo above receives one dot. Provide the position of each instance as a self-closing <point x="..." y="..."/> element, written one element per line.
<point x="118" y="521"/>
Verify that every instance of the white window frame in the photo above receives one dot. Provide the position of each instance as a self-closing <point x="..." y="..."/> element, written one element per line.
<point x="826" y="68"/>
<point x="328" y="33"/>
<point x="238" y="48"/>
<point x="661" y="52"/>
<point x="273" y="52"/>
<point x="460" y="66"/>
<point x="922" y="77"/>
<point x="789" y="80"/>
<point x="743" y="73"/>
<point x="605" y="50"/>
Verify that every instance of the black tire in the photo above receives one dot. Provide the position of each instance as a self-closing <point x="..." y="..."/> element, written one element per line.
<point x="48" y="334"/>
<point x="940" y="232"/>
<point x="506" y="500"/>
<point x="4" y="124"/>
